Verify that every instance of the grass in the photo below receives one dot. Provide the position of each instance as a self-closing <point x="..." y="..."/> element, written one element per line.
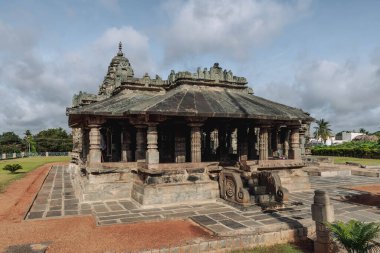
<point x="28" y="164"/>
<point x="279" y="248"/>
<point x="344" y="159"/>
<point x="362" y="161"/>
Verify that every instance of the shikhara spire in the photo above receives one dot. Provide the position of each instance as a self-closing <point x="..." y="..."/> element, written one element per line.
<point x="120" y="53"/>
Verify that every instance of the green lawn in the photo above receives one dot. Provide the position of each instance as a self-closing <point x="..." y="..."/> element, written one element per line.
<point x="280" y="248"/>
<point x="28" y="164"/>
<point x="362" y="161"/>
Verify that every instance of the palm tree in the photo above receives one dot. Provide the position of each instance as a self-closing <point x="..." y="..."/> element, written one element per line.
<point x="356" y="236"/>
<point x="322" y="130"/>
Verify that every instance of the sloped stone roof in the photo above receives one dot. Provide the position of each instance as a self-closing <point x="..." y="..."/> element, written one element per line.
<point x="187" y="100"/>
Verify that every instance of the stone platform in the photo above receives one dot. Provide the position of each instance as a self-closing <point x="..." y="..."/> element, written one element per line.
<point x="57" y="199"/>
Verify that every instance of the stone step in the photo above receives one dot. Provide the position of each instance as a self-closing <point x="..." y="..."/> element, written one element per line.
<point x="258" y="190"/>
<point x="262" y="198"/>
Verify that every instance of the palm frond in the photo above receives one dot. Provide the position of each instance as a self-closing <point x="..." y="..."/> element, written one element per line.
<point x="356" y="236"/>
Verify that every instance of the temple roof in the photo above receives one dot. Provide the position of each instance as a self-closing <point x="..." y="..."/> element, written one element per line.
<point x="189" y="100"/>
<point x="210" y="92"/>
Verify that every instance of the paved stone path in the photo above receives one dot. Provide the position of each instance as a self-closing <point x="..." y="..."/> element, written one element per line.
<point x="56" y="199"/>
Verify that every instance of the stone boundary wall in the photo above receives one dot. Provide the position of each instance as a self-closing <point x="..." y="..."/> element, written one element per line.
<point x="228" y="244"/>
<point x="8" y="156"/>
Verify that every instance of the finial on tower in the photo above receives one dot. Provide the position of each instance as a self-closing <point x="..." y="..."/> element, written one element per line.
<point x="120" y="53"/>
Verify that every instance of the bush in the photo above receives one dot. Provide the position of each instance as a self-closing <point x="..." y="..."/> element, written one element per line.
<point x="356" y="236"/>
<point x="360" y="149"/>
<point x="12" y="167"/>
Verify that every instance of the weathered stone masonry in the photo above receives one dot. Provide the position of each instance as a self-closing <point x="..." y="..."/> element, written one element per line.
<point x="179" y="132"/>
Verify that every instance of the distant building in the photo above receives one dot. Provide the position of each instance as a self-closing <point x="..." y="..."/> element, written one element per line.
<point x="349" y="136"/>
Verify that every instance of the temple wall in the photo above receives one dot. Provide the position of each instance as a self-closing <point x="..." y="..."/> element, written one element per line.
<point x="182" y="193"/>
<point x="108" y="186"/>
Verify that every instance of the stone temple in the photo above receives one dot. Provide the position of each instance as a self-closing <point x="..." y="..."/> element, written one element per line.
<point x="195" y="137"/>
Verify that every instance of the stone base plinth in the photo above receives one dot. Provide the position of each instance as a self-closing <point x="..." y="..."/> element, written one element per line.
<point x="102" y="186"/>
<point x="294" y="179"/>
<point x="174" y="194"/>
<point x="146" y="186"/>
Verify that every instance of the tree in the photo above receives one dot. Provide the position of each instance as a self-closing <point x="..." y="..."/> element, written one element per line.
<point x="363" y="131"/>
<point x="53" y="140"/>
<point x="322" y="130"/>
<point x="10" y="143"/>
<point x="30" y="143"/>
<point x="356" y="236"/>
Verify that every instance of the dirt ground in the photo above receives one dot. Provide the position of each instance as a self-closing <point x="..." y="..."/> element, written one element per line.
<point x="371" y="197"/>
<point x="79" y="233"/>
<point x="371" y="188"/>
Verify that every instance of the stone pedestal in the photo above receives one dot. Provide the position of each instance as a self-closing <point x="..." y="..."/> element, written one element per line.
<point x="295" y="151"/>
<point x="3" y="156"/>
<point x="140" y="142"/>
<point x="195" y="142"/>
<point x="152" y="154"/>
<point x="126" y="152"/>
<point x="322" y="211"/>
<point x="180" y="146"/>
<point x="95" y="154"/>
<point x="263" y="148"/>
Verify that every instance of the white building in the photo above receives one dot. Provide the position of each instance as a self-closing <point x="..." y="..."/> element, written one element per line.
<point x="349" y="136"/>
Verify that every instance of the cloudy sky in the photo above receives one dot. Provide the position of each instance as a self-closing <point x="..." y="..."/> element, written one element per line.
<point x="321" y="56"/>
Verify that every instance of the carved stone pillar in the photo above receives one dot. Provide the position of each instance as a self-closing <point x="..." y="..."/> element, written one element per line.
<point x="77" y="139"/>
<point x="279" y="148"/>
<point x="263" y="147"/>
<point x="242" y="143"/>
<point x="140" y="142"/>
<point x="152" y="154"/>
<point x="322" y="211"/>
<point x="180" y="146"/>
<point x="195" y="142"/>
<point x="126" y="141"/>
<point x="286" y="142"/>
<point x="294" y="151"/>
<point x="95" y="154"/>
<point x="302" y="140"/>
<point x="234" y="142"/>
<point x="270" y="148"/>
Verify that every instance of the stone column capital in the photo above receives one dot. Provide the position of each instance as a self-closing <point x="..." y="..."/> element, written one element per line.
<point x="94" y="126"/>
<point x="152" y="124"/>
<point x="264" y="126"/>
<point x="95" y="120"/>
<point x="195" y="124"/>
<point x="140" y="126"/>
<point x="294" y="127"/>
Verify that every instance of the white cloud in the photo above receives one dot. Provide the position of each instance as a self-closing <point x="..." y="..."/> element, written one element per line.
<point x="345" y="94"/>
<point x="229" y="28"/>
<point x="38" y="89"/>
